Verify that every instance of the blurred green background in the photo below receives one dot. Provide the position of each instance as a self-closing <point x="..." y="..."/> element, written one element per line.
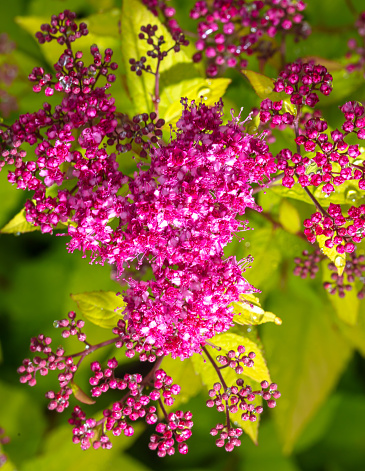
<point x="315" y="356"/>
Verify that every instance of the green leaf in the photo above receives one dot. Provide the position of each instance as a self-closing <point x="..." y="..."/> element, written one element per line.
<point x="289" y="217"/>
<point x="141" y="89"/>
<point x="259" y="243"/>
<point x="262" y="85"/>
<point x="355" y="334"/>
<point x="295" y="192"/>
<point x="338" y="259"/>
<point x="99" y="307"/>
<point x="306" y="356"/>
<point x="249" y="312"/>
<point x="347" y="308"/>
<point x="343" y="444"/>
<point x="211" y="90"/>
<point x="80" y="395"/>
<point x="18" y="225"/>
<point x="347" y="193"/>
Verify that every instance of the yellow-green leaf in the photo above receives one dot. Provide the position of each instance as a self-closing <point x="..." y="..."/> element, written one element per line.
<point x="250" y="312"/>
<point x="338" y="259"/>
<point x="262" y="85"/>
<point x="18" y="225"/>
<point x="80" y="394"/>
<point x="182" y="373"/>
<point x="102" y="308"/>
<point x="289" y="217"/>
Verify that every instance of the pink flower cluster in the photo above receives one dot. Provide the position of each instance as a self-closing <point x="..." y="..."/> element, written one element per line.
<point x="187" y="202"/>
<point x="230" y="30"/>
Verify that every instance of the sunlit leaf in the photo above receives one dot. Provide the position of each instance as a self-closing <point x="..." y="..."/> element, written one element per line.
<point x="347" y="308"/>
<point x="355" y="334"/>
<point x="249" y="312"/>
<point x="338" y="259"/>
<point x="18" y="225"/>
<point x="289" y="217"/>
<point x="262" y="85"/>
<point x="183" y="374"/>
<point x="80" y="394"/>
<point x="102" y="308"/>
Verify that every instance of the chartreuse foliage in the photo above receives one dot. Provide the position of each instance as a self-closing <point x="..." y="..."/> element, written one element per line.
<point x="102" y="308"/>
<point x="309" y="336"/>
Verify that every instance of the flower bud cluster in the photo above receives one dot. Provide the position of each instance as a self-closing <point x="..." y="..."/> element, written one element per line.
<point x="354" y="270"/>
<point x="229" y="31"/>
<point x="167" y="12"/>
<point x="334" y="160"/>
<point x="301" y="81"/>
<point x="226" y="433"/>
<point x="235" y="360"/>
<point x="238" y="398"/>
<point x="357" y="47"/>
<point x="308" y="265"/>
<point x="62" y="28"/>
<point x="54" y="360"/>
<point x="148" y="33"/>
<point x="352" y="277"/>
<point x="177" y="428"/>
<point x="134" y="405"/>
<point x="340" y="231"/>
<point x="141" y="130"/>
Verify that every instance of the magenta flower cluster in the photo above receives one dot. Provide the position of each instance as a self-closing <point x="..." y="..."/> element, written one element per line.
<point x="231" y="30"/>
